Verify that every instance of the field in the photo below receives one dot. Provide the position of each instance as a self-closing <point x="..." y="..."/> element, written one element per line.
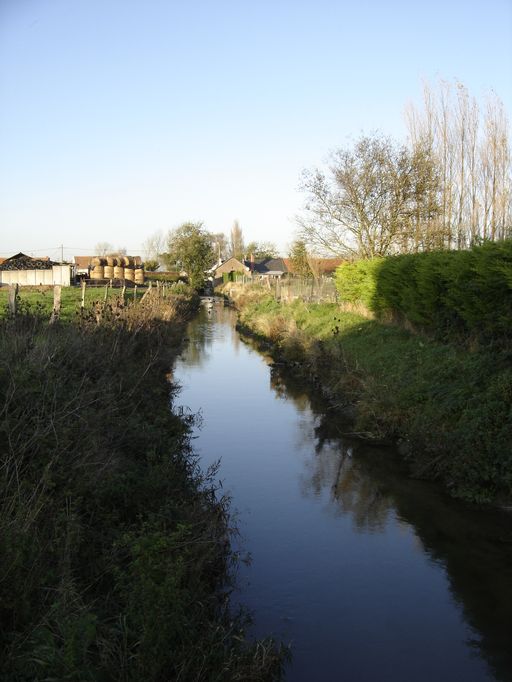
<point x="39" y="300"/>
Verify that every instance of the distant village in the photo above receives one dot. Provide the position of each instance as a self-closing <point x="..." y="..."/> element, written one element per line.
<point x="24" y="270"/>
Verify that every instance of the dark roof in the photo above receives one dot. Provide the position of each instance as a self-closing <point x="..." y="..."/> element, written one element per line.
<point x="265" y="265"/>
<point x="20" y="261"/>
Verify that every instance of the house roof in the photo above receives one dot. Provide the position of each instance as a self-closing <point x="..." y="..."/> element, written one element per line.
<point x="243" y="264"/>
<point x="20" y="261"/>
<point x="267" y="266"/>
<point x="83" y="261"/>
<point x="325" y="265"/>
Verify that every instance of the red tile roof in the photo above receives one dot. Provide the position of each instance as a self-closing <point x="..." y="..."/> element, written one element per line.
<point x="326" y="265"/>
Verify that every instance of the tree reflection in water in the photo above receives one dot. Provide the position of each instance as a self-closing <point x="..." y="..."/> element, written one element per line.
<point x="474" y="546"/>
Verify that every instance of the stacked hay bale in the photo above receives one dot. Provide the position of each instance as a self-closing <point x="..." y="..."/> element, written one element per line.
<point x="98" y="268"/>
<point x="109" y="267"/>
<point x="118" y="272"/>
<point x="117" y="267"/>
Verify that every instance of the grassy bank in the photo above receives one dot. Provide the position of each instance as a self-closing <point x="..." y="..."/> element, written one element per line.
<point x="114" y="546"/>
<point x="450" y="409"/>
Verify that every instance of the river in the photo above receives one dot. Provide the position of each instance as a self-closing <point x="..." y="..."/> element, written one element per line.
<point x="367" y="574"/>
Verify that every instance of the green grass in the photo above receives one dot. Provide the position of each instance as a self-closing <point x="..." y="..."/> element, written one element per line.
<point x="451" y="408"/>
<point x="39" y="300"/>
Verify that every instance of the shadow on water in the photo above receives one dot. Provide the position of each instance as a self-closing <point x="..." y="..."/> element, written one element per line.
<point x="355" y="580"/>
<point x="473" y="545"/>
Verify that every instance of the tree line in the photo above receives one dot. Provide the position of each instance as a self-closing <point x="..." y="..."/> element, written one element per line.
<point x="449" y="187"/>
<point x="194" y="249"/>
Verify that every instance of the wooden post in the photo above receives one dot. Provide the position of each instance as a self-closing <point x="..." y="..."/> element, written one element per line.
<point x="135" y="294"/>
<point x="13" y="299"/>
<point x="57" y="294"/>
<point x="82" y="301"/>
<point x="123" y="292"/>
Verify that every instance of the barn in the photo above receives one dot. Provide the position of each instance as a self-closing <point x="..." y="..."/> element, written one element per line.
<point x="26" y="271"/>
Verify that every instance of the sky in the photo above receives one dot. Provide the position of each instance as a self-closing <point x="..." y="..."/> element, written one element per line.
<point x="121" y="118"/>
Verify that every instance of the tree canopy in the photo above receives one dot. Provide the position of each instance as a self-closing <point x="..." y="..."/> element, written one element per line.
<point x="190" y="248"/>
<point x="299" y="259"/>
<point x="262" y="250"/>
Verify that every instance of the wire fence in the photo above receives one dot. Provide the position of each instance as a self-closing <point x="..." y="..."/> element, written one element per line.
<point x="318" y="290"/>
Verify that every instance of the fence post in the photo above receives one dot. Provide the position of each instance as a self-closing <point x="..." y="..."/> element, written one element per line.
<point x="13" y="299"/>
<point x="135" y="294"/>
<point x="82" y="301"/>
<point x="57" y="293"/>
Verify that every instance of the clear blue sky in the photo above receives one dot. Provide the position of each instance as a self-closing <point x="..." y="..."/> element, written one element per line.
<point x="121" y="117"/>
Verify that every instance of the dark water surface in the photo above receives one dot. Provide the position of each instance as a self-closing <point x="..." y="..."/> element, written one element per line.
<point x="367" y="574"/>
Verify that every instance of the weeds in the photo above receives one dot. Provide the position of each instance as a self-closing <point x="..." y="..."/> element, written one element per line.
<point x="114" y="546"/>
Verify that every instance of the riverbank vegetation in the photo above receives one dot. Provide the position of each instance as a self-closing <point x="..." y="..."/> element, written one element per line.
<point x="448" y="407"/>
<point x="114" y="545"/>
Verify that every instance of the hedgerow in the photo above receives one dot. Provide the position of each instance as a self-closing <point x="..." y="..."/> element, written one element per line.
<point x="451" y="294"/>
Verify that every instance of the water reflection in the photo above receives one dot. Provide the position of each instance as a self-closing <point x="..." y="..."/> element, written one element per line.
<point x="473" y="545"/>
<point x="374" y="576"/>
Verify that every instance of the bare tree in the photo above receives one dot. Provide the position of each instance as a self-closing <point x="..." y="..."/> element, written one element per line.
<point x="220" y="245"/>
<point x="472" y="154"/>
<point x="236" y="243"/>
<point x="365" y="205"/>
<point x="153" y="246"/>
<point x="102" y="248"/>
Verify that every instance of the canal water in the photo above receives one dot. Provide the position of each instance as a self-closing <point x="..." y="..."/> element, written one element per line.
<point x="368" y="575"/>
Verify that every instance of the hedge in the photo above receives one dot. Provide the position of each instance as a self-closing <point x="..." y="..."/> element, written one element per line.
<point x="449" y="293"/>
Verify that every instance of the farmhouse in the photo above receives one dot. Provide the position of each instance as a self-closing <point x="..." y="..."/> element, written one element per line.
<point x="229" y="269"/>
<point x="260" y="268"/>
<point x="26" y="271"/>
<point x="268" y="268"/>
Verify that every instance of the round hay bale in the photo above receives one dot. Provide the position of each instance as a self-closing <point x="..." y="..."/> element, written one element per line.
<point x="124" y="261"/>
<point x="98" y="272"/>
<point x="96" y="261"/>
<point x="129" y="274"/>
<point x="118" y="272"/>
<point x="111" y="261"/>
<point x="139" y="275"/>
<point x="108" y="272"/>
<point x="130" y="261"/>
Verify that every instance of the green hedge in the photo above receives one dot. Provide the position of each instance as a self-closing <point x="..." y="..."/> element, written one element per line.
<point x="450" y="293"/>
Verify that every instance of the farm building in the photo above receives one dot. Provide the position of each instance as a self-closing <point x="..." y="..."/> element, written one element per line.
<point x="26" y="271"/>
<point x="83" y="264"/>
<point x="259" y="268"/>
